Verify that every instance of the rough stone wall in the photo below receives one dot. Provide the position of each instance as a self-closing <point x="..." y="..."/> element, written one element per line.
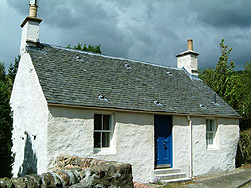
<point x="70" y="132"/>
<point x="64" y="178"/>
<point x="110" y="173"/>
<point x="75" y="172"/>
<point x="219" y="159"/>
<point x="30" y="118"/>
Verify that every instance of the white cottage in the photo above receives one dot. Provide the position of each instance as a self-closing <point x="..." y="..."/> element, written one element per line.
<point x="159" y="119"/>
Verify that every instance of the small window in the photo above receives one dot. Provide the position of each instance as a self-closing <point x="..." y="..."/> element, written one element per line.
<point x="102" y="131"/>
<point x="210" y="133"/>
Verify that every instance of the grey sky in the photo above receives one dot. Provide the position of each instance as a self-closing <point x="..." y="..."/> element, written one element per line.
<point x="146" y="30"/>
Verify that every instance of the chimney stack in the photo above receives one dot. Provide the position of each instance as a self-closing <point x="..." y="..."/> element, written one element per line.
<point x="30" y="28"/>
<point x="188" y="59"/>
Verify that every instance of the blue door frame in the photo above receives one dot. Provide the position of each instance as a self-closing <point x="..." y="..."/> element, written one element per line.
<point x="163" y="140"/>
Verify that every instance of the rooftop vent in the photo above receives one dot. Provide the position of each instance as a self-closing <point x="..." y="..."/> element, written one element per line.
<point x="215" y="100"/>
<point x="127" y="66"/>
<point x="102" y="98"/>
<point x="157" y="103"/>
<point x="169" y="74"/>
<point x="78" y="58"/>
<point x="203" y="107"/>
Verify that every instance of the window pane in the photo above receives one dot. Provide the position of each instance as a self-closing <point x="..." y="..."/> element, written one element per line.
<point x="106" y="122"/>
<point x="213" y="126"/>
<point x="210" y="138"/>
<point x="207" y="125"/>
<point x="210" y="141"/>
<point x="97" y="140"/>
<point x="210" y="125"/>
<point x="97" y="121"/>
<point x="105" y="139"/>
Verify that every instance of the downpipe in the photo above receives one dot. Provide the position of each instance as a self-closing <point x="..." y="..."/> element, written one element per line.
<point x="191" y="146"/>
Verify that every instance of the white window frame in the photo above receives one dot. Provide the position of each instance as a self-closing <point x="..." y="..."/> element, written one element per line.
<point x="104" y="150"/>
<point x="213" y="132"/>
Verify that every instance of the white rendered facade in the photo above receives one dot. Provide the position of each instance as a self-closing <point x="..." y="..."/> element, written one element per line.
<point x="204" y="160"/>
<point x="30" y="119"/>
<point x="69" y="131"/>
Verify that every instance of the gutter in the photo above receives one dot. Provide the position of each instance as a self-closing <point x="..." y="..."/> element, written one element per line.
<point x="191" y="146"/>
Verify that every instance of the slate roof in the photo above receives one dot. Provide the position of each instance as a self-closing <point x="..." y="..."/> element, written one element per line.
<point x="74" y="77"/>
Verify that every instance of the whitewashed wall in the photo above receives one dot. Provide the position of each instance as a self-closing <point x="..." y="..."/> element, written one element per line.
<point x="30" y="114"/>
<point x="181" y="144"/>
<point x="70" y="131"/>
<point x="220" y="159"/>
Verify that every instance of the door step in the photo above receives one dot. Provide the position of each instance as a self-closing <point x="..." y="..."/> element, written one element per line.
<point x="162" y="166"/>
<point x="169" y="175"/>
<point x="177" y="180"/>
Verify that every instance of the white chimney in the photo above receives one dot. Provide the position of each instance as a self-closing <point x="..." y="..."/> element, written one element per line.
<point x="30" y="27"/>
<point x="188" y="59"/>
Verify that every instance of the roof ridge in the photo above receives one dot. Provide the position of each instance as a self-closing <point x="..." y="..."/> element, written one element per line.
<point x="112" y="57"/>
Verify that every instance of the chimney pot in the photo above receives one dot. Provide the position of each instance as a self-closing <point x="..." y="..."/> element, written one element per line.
<point x="33" y="11"/>
<point x="190" y="44"/>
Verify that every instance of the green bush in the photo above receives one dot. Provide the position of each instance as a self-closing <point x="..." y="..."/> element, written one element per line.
<point x="245" y="143"/>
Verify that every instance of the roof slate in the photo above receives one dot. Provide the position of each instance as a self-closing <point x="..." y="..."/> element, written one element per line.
<point x="74" y="77"/>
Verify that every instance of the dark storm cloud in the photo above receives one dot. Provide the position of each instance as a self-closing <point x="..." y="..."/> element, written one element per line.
<point x="71" y="14"/>
<point x="224" y="14"/>
<point x="150" y="10"/>
<point x="146" y="30"/>
<point x="20" y="6"/>
<point x="86" y="22"/>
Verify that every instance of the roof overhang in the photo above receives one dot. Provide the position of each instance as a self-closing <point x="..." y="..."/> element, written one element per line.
<point x="139" y="111"/>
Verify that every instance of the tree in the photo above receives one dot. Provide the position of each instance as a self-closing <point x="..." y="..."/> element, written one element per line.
<point x="234" y="87"/>
<point x="5" y="125"/>
<point x="12" y="71"/>
<point x="245" y="99"/>
<point x="2" y="72"/>
<point x="90" y="48"/>
<point x="219" y="78"/>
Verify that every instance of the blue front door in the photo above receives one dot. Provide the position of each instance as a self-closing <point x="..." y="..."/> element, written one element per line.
<point x="163" y="140"/>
